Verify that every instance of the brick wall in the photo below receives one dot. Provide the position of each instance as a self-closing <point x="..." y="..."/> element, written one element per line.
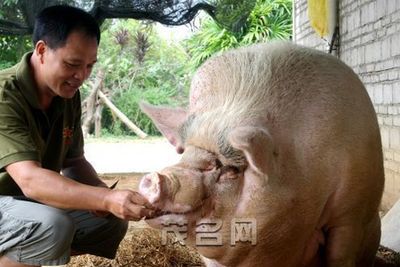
<point x="370" y="44"/>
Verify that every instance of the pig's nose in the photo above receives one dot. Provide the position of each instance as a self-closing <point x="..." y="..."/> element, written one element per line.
<point x="150" y="187"/>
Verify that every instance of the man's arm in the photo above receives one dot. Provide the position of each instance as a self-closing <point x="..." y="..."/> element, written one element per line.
<point x="53" y="189"/>
<point x="82" y="171"/>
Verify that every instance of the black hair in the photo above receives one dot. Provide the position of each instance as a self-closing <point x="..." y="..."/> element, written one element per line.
<point x="55" y="23"/>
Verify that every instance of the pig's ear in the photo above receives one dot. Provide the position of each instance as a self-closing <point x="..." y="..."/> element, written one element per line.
<point x="257" y="146"/>
<point x="168" y="121"/>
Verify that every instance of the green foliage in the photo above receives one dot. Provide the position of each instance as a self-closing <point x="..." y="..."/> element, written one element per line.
<point x="270" y="19"/>
<point x="140" y="66"/>
<point x="9" y="2"/>
<point x="232" y="13"/>
<point x="129" y="100"/>
<point x="210" y="39"/>
<point x="12" y="48"/>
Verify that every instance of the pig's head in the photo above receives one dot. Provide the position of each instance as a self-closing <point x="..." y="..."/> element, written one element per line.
<point x="221" y="176"/>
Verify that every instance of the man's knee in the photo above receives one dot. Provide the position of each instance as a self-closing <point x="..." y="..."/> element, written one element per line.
<point x="58" y="230"/>
<point x="45" y="241"/>
<point x="52" y="239"/>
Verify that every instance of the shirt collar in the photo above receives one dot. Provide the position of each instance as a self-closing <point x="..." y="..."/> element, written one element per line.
<point x="26" y="81"/>
<point x="28" y="87"/>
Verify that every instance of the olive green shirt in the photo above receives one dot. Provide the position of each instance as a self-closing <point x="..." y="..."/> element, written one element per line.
<point x="29" y="133"/>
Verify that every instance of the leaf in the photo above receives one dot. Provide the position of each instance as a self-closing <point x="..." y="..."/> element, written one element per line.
<point x="268" y="20"/>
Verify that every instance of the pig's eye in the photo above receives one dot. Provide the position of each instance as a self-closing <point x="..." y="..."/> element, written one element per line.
<point x="207" y="168"/>
<point x="212" y="166"/>
<point x="228" y="173"/>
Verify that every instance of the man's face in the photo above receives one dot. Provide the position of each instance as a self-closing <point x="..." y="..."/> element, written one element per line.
<point x="64" y="69"/>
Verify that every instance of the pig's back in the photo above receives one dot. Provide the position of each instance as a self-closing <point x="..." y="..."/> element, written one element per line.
<point x="279" y="77"/>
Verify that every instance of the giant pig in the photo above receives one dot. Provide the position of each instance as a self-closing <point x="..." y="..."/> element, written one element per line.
<point x="283" y="136"/>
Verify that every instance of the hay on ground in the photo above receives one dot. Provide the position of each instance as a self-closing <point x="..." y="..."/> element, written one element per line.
<point x="144" y="248"/>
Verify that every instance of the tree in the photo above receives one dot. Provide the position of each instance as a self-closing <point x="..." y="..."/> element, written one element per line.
<point x="270" y="19"/>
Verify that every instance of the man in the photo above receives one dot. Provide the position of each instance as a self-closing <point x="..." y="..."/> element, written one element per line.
<point x="51" y="200"/>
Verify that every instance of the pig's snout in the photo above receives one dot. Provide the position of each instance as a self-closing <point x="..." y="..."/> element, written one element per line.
<point x="167" y="192"/>
<point x="150" y="187"/>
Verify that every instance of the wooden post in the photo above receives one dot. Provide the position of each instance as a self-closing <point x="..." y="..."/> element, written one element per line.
<point x="97" y="120"/>
<point x="90" y="103"/>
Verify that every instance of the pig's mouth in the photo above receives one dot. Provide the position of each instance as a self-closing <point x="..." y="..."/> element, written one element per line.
<point x="173" y="216"/>
<point x="167" y="212"/>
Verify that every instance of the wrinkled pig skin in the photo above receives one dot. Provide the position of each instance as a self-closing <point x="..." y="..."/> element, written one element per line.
<point x="282" y="134"/>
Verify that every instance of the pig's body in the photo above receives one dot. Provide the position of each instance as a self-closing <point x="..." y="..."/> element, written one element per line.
<point x="284" y="135"/>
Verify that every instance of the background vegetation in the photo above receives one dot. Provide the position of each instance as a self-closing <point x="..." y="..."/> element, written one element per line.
<point x="270" y="19"/>
<point x="11" y="47"/>
<point x="140" y="65"/>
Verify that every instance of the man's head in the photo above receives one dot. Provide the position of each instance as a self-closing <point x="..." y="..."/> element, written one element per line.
<point x="66" y="41"/>
<point x="54" y="24"/>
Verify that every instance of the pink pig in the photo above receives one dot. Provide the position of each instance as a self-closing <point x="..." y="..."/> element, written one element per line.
<point x="281" y="137"/>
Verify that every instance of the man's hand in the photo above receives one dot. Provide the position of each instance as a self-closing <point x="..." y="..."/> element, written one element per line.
<point x="100" y="213"/>
<point x="124" y="204"/>
<point x="128" y="205"/>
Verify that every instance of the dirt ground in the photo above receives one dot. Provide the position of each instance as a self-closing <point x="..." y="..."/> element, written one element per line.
<point x="142" y="246"/>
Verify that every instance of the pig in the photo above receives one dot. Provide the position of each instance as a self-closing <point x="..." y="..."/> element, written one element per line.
<point x="280" y="136"/>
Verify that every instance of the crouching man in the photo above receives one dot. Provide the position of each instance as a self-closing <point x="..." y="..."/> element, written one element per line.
<point x="52" y="202"/>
